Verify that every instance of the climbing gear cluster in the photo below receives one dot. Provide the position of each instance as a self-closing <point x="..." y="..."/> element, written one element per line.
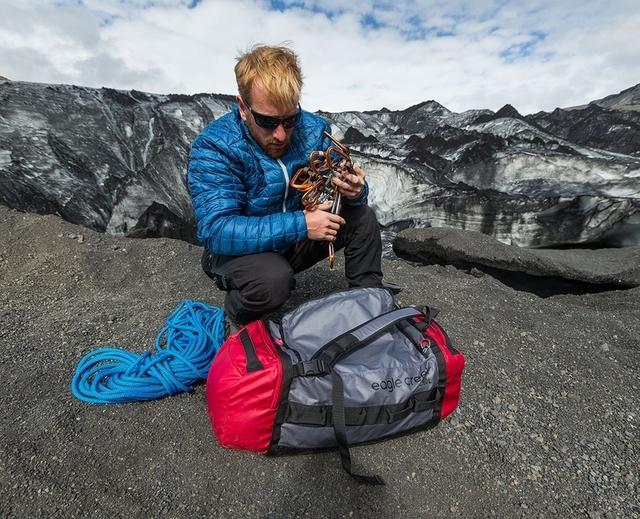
<point x="314" y="180"/>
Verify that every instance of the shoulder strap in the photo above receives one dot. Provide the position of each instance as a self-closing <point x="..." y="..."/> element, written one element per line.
<point x="362" y="335"/>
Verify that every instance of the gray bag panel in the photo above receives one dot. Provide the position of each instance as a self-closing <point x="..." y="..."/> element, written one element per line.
<point x="393" y="348"/>
<point x="305" y="437"/>
<point x="306" y="328"/>
<point x="387" y="385"/>
<point x="388" y="370"/>
<point x="389" y="357"/>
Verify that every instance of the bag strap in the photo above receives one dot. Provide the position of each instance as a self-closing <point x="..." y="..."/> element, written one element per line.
<point x="341" y="347"/>
<point x="430" y="313"/>
<point x="321" y="415"/>
<point x="362" y="335"/>
<point x="339" y="426"/>
<point x="253" y="362"/>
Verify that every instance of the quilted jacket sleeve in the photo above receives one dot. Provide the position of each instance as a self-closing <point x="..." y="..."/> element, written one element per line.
<point x="219" y="199"/>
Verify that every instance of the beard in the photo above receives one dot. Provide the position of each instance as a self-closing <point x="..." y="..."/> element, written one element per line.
<point x="275" y="150"/>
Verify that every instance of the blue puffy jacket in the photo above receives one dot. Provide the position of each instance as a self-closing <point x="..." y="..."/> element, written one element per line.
<point x="242" y="200"/>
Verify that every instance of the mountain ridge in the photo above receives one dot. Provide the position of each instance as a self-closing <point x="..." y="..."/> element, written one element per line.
<point x="115" y="161"/>
<point x="625" y="100"/>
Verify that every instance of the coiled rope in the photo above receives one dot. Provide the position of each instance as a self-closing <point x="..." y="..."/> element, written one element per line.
<point x="185" y="348"/>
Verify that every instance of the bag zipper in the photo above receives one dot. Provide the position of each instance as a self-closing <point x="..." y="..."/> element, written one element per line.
<point x="279" y="382"/>
<point x="285" y="345"/>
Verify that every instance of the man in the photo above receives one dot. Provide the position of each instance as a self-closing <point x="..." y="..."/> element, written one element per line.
<point x="248" y="217"/>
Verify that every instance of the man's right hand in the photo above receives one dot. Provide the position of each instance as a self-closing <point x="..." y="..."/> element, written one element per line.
<point x="321" y="224"/>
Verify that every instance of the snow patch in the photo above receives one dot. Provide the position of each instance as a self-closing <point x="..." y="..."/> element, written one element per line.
<point x="146" y="146"/>
<point x="5" y="158"/>
<point x="393" y="193"/>
<point x="508" y="127"/>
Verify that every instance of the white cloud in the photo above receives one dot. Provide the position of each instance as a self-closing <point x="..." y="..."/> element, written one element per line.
<point x="355" y="55"/>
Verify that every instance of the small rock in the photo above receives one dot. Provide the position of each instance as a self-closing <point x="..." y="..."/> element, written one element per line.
<point x="80" y="238"/>
<point x="605" y="347"/>
<point x="476" y="273"/>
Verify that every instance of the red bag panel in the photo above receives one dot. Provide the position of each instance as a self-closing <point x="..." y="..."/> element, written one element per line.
<point x="242" y="405"/>
<point x="454" y="364"/>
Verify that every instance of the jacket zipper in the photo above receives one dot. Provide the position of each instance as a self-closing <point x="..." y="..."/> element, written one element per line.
<point x="286" y="184"/>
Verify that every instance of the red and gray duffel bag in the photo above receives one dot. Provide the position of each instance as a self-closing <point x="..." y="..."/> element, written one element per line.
<point x="348" y="368"/>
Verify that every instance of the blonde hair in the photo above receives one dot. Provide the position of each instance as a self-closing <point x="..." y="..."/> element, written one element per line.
<point x="276" y="69"/>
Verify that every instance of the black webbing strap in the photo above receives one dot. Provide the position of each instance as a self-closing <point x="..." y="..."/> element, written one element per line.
<point x="321" y="415"/>
<point x="310" y="368"/>
<point x="253" y="362"/>
<point x="340" y="429"/>
<point x="430" y="314"/>
<point x="359" y="337"/>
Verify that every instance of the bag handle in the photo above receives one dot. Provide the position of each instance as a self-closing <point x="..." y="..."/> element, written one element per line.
<point x="362" y="335"/>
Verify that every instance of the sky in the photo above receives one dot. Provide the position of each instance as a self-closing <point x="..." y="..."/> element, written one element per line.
<point x="355" y="54"/>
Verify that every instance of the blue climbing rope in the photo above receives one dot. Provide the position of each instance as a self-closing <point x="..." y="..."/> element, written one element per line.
<point x="185" y="348"/>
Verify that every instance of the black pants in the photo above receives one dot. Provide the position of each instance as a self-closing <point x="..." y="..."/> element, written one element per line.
<point x="257" y="284"/>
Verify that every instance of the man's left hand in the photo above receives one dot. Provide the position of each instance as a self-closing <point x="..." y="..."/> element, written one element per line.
<point x="352" y="184"/>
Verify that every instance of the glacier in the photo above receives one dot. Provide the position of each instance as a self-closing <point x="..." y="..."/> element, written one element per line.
<point x="115" y="161"/>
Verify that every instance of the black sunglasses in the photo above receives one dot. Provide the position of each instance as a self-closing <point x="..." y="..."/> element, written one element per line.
<point x="269" y="122"/>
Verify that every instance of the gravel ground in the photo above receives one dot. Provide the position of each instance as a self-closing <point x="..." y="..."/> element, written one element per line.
<point x="547" y="425"/>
